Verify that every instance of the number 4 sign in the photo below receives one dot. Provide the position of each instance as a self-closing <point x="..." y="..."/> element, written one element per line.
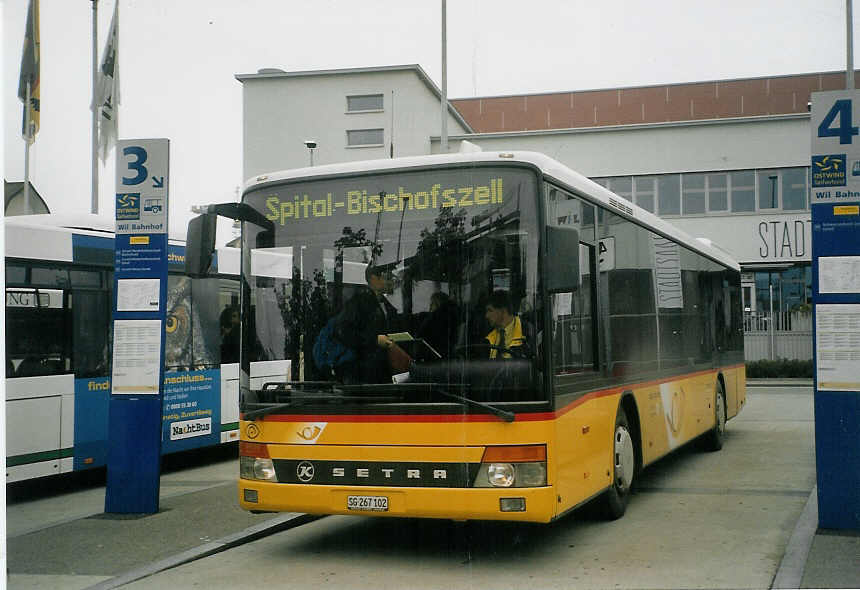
<point x="835" y="165"/>
<point x="845" y="131"/>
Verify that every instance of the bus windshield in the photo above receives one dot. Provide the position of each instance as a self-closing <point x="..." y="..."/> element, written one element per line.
<point x="420" y="282"/>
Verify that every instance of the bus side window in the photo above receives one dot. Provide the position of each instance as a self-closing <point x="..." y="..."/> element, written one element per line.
<point x="91" y="328"/>
<point x="38" y="332"/>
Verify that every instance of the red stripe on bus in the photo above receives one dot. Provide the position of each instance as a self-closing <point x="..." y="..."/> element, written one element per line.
<point x="439" y="418"/>
<point x="402" y="417"/>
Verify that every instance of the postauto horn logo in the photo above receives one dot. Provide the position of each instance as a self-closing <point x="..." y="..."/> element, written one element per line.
<point x="127" y="206"/>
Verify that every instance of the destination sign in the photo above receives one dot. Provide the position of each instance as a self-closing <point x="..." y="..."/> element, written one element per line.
<point x="360" y="201"/>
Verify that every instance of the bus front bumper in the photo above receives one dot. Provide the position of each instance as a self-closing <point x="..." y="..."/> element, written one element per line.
<point x="516" y="504"/>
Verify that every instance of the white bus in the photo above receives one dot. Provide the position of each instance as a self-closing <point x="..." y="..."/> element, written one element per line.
<point x="59" y="289"/>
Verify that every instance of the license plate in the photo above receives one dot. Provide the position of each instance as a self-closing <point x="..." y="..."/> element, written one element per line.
<point x="369" y="503"/>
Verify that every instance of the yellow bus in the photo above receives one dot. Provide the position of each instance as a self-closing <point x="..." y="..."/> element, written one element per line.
<point x="485" y="336"/>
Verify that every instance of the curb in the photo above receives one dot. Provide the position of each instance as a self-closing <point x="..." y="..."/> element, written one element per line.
<point x="790" y="571"/>
<point x="276" y="525"/>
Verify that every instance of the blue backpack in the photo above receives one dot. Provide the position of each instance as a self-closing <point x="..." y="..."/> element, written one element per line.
<point x="329" y="351"/>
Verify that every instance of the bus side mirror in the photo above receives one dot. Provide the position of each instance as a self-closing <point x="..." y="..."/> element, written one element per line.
<point x="266" y="239"/>
<point x="562" y="256"/>
<point x="200" y="244"/>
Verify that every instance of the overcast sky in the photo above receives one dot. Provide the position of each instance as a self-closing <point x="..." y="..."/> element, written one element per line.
<point x="178" y="59"/>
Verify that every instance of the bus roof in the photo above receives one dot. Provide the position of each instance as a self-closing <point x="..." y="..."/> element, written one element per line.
<point x="550" y="169"/>
<point x="79" y="223"/>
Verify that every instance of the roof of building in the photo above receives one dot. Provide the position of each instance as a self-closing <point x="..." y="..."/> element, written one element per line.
<point x="265" y="73"/>
<point x="13" y="203"/>
<point x="694" y="101"/>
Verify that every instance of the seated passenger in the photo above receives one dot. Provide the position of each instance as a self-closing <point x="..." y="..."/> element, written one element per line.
<point x="510" y="333"/>
<point x="439" y="328"/>
<point x="31" y="366"/>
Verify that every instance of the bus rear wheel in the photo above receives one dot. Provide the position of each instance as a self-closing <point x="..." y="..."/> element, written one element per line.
<point x="614" y="500"/>
<point x="713" y="440"/>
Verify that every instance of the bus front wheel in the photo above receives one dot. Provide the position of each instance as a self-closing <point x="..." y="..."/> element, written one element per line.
<point x="615" y="499"/>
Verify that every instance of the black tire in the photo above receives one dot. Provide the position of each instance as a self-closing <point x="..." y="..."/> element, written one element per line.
<point x="624" y="469"/>
<point x="713" y="440"/>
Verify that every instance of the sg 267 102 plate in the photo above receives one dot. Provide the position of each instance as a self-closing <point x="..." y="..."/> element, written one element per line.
<point x="367" y="503"/>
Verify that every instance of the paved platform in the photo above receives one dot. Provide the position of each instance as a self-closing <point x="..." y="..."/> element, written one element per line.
<point x="65" y="540"/>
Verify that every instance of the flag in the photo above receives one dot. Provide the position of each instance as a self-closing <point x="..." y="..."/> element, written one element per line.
<point x="30" y="59"/>
<point x="107" y="97"/>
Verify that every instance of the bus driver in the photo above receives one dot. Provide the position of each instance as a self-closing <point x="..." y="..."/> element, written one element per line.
<point x="509" y="332"/>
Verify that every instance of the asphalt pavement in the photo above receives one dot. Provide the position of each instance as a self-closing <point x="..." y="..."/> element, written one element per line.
<point x="65" y="540"/>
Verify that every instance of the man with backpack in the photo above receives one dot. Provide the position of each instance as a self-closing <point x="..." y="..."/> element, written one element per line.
<point x="363" y="327"/>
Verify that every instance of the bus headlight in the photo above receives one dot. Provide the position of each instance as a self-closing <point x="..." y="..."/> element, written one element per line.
<point x="530" y="475"/>
<point x="500" y="475"/>
<point x="254" y="462"/>
<point x="521" y="466"/>
<point x="257" y="468"/>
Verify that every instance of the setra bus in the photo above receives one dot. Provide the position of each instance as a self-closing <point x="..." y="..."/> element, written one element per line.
<point x="622" y="339"/>
<point x="58" y="297"/>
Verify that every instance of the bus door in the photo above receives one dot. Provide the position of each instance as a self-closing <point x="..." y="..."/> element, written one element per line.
<point x="575" y="361"/>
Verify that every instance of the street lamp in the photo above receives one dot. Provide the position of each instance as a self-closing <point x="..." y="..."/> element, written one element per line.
<point x="311" y="145"/>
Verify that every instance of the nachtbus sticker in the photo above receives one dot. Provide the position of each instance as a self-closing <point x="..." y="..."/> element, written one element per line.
<point x="192" y="409"/>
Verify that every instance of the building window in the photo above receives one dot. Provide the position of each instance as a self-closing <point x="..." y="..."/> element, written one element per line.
<point x="743" y="191"/>
<point x="645" y="190"/>
<point x="794" y="189"/>
<point x="694" y="194"/>
<point x="365" y="137"/>
<point x="768" y="189"/>
<point x="669" y="194"/>
<point x="718" y="197"/>
<point x="788" y="290"/>
<point x="364" y="103"/>
<point x="622" y="186"/>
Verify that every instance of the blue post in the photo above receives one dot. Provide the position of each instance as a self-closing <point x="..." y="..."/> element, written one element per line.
<point x="835" y="251"/>
<point x="139" y="310"/>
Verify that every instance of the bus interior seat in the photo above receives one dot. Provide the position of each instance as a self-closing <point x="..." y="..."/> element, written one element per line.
<point x="31" y="367"/>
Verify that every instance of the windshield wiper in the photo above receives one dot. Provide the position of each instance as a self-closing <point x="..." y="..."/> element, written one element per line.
<point x="298" y="392"/>
<point x="435" y="388"/>
<point x="252" y="411"/>
<point x="503" y="414"/>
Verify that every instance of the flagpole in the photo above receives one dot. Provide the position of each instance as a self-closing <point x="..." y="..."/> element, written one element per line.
<point x="443" y="139"/>
<point x="94" y="206"/>
<point x="27" y="141"/>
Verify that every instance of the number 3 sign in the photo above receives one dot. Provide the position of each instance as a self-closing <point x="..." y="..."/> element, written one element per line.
<point x="142" y="168"/>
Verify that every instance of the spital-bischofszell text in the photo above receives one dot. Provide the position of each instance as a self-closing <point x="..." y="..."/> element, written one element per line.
<point x="358" y="202"/>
